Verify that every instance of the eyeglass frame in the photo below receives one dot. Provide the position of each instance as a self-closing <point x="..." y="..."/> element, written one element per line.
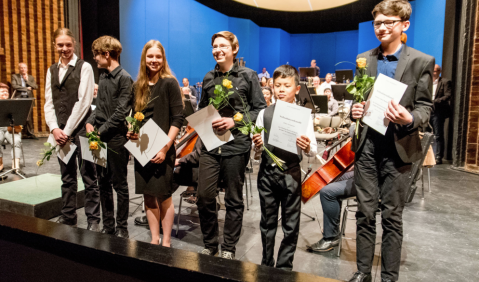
<point x="384" y="23"/>
<point x="220" y="47"/>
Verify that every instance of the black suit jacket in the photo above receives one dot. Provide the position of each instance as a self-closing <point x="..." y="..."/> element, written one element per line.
<point x="442" y="98"/>
<point x="414" y="69"/>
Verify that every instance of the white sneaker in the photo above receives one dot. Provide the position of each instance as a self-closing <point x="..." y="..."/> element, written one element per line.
<point x="227" y="255"/>
<point x="209" y="252"/>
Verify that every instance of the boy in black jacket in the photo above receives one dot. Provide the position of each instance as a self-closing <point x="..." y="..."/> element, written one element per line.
<point x="277" y="187"/>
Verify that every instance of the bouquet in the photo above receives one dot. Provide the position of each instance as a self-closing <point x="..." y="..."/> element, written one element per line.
<point x="361" y="84"/>
<point x="47" y="153"/>
<point x="94" y="141"/>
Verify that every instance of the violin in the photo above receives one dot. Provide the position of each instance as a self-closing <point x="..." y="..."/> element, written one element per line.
<point x="18" y="129"/>
<point x="187" y="142"/>
<point x="329" y="172"/>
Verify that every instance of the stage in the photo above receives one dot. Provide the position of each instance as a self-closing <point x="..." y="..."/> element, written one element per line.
<point x="439" y="231"/>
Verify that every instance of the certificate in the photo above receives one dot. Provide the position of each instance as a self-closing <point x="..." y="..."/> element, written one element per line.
<point x="201" y="121"/>
<point x="151" y="140"/>
<point x="289" y="122"/>
<point x="96" y="156"/>
<point x="65" y="152"/>
<point x="385" y="89"/>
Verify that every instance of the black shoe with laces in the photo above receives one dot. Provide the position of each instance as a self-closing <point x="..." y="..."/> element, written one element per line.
<point x="323" y="245"/>
<point x="122" y="233"/>
<point x="108" y="231"/>
<point x="361" y="277"/>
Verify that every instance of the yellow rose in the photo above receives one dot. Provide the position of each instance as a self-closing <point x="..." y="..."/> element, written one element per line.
<point x="361" y="63"/>
<point x="227" y="83"/>
<point x="93" y="145"/>
<point x="238" y="117"/>
<point x="139" y="116"/>
<point x="39" y="163"/>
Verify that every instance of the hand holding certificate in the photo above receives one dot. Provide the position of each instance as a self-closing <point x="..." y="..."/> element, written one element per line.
<point x="289" y="122"/>
<point x="201" y="121"/>
<point x="385" y="90"/>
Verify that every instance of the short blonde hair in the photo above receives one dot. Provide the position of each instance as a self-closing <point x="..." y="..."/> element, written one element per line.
<point x="228" y="36"/>
<point x="107" y="44"/>
<point x="400" y="8"/>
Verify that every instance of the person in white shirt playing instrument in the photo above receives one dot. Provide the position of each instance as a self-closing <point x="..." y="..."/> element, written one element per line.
<point x="69" y="90"/>
<point x="281" y="186"/>
<point x="326" y="84"/>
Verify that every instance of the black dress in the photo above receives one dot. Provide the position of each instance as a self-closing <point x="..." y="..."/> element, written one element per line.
<point x="166" y="110"/>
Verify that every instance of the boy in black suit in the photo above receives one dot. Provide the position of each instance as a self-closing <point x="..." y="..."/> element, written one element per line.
<point x="281" y="187"/>
<point x="383" y="162"/>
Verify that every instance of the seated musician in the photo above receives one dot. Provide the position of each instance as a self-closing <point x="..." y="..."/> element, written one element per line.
<point x="316" y="84"/>
<point x="6" y="133"/>
<point x="332" y="103"/>
<point x="278" y="186"/>
<point x="185" y="174"/>
<point x="331" y="197"/>
<point x="326" y="84"/>
<point x="191" y="99"/>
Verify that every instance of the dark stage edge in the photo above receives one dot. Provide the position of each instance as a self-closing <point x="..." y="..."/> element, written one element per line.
<point x="34" y="249"/>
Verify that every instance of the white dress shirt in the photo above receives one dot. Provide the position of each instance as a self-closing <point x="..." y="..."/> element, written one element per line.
<point x="434" y="88"/>
<point x="85" y="96"/>
<point x="325" y="85"/>
<point x="310" y="134"/>
<point x="266" y="74"/>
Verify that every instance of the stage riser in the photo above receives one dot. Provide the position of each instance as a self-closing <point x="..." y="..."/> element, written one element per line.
<point x="45" y="210"/>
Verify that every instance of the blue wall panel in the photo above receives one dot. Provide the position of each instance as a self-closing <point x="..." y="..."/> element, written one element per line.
<point x="429" y="29"/>
<point x="269" y="52"/>
<point x="185" y="28"/>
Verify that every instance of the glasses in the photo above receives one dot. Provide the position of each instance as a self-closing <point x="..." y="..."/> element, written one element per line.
<point x="222" y="47"/>
<point x="387" y="24"/>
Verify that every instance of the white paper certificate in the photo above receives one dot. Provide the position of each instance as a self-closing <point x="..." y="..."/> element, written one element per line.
<point x="151" y="140"/>
<point x="63" y="153"/>
<point x="385" y="89"/>
<point x="97" y="156"/>
<point x="289" y="122"/>
<point x="201" y="121"/>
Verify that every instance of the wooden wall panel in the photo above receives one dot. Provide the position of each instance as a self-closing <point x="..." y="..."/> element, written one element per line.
<point x="26" y="29"/>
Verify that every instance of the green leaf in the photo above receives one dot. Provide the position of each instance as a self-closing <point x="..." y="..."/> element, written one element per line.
<point x="353" y="91"/>
<point x="218" y="87"/>
<point x="130" y="119"/>
<point x="231" y="92"/>
<point x="48" y="158"/>
<point x="102" y="145"/>
<point x="350" y="87"/>
<point x="359" y="85"/>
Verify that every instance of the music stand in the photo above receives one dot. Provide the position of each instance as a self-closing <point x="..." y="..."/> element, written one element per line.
<point x="14" y="112"/>
<point x="346" y="74"/>
<point x="307" y="72"/>
<point x="321" y="101"/>
<point x="305" y="99"/>
<point x="339" y="92"/>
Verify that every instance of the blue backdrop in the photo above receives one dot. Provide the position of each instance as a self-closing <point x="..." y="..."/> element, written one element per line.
<point x="185" y="27"/>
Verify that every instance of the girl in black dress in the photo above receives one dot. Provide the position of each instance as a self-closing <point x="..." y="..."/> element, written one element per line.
<point x="158" y="96"/>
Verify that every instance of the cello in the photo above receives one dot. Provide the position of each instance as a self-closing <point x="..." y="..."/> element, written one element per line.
<point x="330" y="171"/>
<point x="187" y="142"/>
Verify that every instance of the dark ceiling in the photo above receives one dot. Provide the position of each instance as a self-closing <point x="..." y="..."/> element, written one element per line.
<point x="343" y="18"/>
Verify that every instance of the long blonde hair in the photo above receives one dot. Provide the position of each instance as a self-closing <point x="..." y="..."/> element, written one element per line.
<point x="142" y="91"/>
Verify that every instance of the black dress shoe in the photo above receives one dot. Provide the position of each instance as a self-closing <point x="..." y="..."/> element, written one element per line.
<point x="122" y="233"/>
<point x="438" y="160"/>
<point x="141" y="220"/>
<point x="361" y="277"/>
<point x="93" y="226"/>
<point x="323" y="245"/>
<point x="386" y="280"/>
<point x="108" y="231"/>
<point x="65" y="221"/>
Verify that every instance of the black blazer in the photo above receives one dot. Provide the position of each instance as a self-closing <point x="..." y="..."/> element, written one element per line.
<point x="414" y="69"/>
<point x="442" y="98"/>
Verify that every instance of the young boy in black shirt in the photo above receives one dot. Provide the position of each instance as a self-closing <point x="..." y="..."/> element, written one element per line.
<point x="113" y="105"/>
<point x="281" y="187"/>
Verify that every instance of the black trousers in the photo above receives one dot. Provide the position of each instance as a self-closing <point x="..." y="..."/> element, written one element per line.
<point x="114" y="176"/>
<point x="30" y="130"/>
<point x="231" y="170"/>
<point x="279" y="188"/>
<point x="70" y="187"/>
<point x="437" y="122"/>
<point x="331" y="200"/>
<point x="380" y="174"/>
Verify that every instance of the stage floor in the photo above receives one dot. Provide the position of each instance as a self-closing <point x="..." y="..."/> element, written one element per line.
<point x="439" y="232"/>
